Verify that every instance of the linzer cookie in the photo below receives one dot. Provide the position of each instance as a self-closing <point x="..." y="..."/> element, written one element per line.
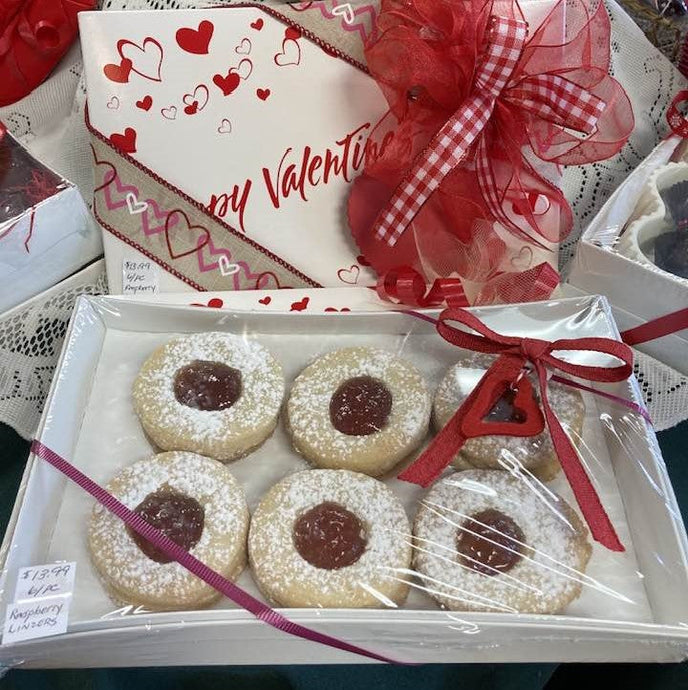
<point x="534" y="453"/>
<point x="359" y="408"/>
<point x="197" y="503"/>
<point x="331" y="538"/>
<point x="488" y="541"/>
<point x="212" y="393"/>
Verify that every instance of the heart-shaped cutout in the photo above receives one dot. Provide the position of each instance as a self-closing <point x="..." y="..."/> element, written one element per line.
<point x="503" y="408"/>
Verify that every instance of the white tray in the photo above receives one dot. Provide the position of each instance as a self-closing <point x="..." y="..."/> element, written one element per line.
<point x="89" y="420"/>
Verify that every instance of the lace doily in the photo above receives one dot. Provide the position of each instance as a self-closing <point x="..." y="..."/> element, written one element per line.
<point x="50" y="123"/>
<point x="30" y="342"/>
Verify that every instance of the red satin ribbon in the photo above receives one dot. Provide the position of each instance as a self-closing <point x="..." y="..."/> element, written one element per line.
<point x="657" y="328"/>
<point x="405" y="285"/>
<point x="513" y="355"/>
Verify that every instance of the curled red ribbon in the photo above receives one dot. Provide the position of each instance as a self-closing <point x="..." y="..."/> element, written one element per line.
<point x="513" y="355"/>
<point x="476" y="102"/>
<point x="676" y="120"/>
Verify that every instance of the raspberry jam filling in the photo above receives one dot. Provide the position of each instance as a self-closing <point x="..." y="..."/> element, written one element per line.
<point x="360" y="406"/>
<point x="504" y="410"/>
<point x="329" y="536"/>
<point x="178" y="517"/>
<point x="492" y="544"/>
<point x="207" y="385"/>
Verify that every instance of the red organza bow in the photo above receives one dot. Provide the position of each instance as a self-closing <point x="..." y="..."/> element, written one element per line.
<point x="476" y="102"/>
<point x="514" y="354"/>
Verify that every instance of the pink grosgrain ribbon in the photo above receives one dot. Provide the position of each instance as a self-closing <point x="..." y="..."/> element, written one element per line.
<point x="193" y="565"/>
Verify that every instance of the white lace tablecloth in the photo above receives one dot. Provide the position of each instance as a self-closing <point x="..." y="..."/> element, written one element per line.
<point x="50" y="122"/>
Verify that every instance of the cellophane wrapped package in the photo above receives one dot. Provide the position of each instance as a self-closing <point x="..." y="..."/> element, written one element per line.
<point x="227" y="486"/>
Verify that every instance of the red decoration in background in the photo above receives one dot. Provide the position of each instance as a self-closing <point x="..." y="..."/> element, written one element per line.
<point x="427" y="59"/>
<point x="34" y="35"/>
<point x="513" y="356"/>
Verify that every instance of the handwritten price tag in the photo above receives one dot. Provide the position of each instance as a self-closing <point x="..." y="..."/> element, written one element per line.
<point x="42" y="599"/>
<point x="27" y="620"/>
<point x="40" y="581"/>
<point x="139" y="277"/>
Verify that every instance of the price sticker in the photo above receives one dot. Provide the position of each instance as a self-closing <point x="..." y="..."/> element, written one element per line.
<point x="40" y="581"/>
<point x="139" y="277"/>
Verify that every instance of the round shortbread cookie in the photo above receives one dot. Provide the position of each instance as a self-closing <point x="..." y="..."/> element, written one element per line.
<point x="198" y="504"/>
<point x="216" y="394"/>
<point x="486" y="541"/>
<point x="333" y="539"/>
<point x="534" y="453"/>
<point x="360" y="408"/>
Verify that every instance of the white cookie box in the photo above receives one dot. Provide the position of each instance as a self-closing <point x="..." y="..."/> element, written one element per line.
<point x="614" y="264"/>
<point x="88" y="420"/>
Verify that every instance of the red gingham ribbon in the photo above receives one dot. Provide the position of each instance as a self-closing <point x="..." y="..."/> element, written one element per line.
<point x="552" y="97"/>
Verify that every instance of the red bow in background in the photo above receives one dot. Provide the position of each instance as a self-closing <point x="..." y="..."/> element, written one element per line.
<point x="34" y="35"/>
<point x="477" y="100"/>
<point x="513" y="355"/>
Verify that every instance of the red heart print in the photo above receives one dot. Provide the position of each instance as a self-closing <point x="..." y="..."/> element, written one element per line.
<point x="214" y="302"/>
<point x="265" y="300"/>
<point x="196" y="41"/>
<point x="334" y="309"/>
<point x="300" y="305"/>
<point x="118" y="73"/>
<point x="290" y="55"/>
<point x="227" y="84"/>
<point x="257" y="25"/>
<point x="292" y="32"/>
<point x="362" y="260"/>
<point x="349" y="275"/>
<point x="191" y="109"/>
<point x="125" y="142"/>
<point x="107" y="179"/>
<point x="244" y="48"/>
<point x="199" y="97"/>
<point x="145" y="103"/>
<point x="145" y="59"/>
<point x="181" y="251"/>
<point x="263" y="94"/>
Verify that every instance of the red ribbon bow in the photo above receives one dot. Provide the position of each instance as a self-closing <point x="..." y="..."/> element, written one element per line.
<point x="476" y="101"/>
<point x="513" y="355"/>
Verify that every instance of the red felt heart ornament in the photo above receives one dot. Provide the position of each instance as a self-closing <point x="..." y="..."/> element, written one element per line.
<point x="497" y="395"/>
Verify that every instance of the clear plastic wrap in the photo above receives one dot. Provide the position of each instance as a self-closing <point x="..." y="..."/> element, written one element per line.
<point x="635" y="251"/>
<point x="493" y="562"/>
<point x="46" y="232"/>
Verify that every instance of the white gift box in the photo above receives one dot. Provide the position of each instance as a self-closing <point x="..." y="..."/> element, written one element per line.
<point x="613" y="257"/>
<point x="257" y="157"/>
<point x="47" y="241"/>
<point x="88" y="419"/>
